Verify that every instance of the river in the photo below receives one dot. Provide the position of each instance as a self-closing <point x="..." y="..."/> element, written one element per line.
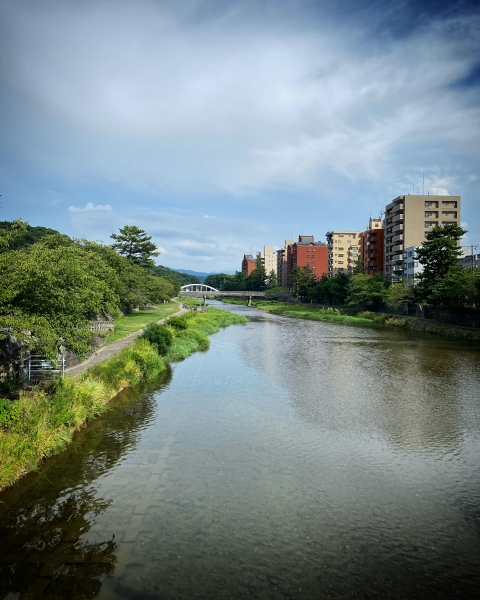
<point x="294" y="459"/>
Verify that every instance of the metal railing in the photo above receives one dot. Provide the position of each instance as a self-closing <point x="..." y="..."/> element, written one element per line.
<point x="34" y="367"/>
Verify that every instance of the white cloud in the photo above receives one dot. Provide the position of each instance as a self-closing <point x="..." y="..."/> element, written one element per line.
<point x="90" y="207"/>
<point x="439" y="192"/>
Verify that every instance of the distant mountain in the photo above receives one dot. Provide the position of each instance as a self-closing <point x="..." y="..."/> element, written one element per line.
<point x="183" y="277"/>
<point x="200" y="275"/>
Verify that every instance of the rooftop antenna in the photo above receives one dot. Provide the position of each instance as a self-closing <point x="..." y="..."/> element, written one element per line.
<point x="423" y="184"/>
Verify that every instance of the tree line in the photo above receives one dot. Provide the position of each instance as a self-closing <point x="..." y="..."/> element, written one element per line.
<point x="52" y="286"/>
<point x="443" y="282"/>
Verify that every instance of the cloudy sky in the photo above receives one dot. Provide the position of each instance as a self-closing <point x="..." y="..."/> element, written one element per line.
<point x="219" y="126"/>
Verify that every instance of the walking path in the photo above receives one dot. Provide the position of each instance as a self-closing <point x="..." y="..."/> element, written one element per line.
<point x="105" y="352"/>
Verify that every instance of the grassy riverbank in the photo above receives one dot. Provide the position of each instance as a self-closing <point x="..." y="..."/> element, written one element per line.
<point x="139" y="319"/>
<point x="319" y="313"/>
<point x="42" y="422"/>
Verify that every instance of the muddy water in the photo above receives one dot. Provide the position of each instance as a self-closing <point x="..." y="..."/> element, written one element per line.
<point x="294" y="459"/>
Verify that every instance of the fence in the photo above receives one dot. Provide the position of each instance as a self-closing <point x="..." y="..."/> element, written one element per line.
<point x="101" y="326"/>
<point x="34" y="367"/>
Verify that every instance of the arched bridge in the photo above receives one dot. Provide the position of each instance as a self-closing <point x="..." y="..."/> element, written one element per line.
<point x="200" y="289"/>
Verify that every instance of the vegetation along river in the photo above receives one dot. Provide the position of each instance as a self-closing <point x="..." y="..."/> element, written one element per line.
<point x="294" y="459"/>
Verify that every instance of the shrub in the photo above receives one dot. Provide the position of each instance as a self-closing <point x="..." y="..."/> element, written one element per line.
<point x="9" y="413"/>
<point x="177" y="323"/>
<point x="160" y="336"/>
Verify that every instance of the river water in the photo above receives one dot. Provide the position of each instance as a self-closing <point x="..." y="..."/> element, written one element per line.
<point x="294" y="459"/>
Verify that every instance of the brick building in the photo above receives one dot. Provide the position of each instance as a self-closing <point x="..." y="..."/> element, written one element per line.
<point x="370" y="247"/>
<point x="248" y="263"/>
<point x="307" y="252"/>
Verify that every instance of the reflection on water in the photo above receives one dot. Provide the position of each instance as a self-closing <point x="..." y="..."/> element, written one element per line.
<point x="294" y="459"/>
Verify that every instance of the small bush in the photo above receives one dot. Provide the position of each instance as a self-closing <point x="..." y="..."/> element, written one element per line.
<point x="178" y="323"/>
<point x="9" y="413"/>
<point x="160" y="336"/>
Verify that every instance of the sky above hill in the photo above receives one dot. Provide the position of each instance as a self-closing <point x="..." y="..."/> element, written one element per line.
<point x="219" y="126"/>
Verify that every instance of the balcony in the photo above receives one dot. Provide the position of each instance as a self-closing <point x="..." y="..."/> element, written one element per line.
<point x="397" y="238"/>
<point x="398" y="207"/>
<point x="397" y="219"/>
<point x="398" y="248"/>
<point x="397" y="228"/>
<point x="397" y="257"/>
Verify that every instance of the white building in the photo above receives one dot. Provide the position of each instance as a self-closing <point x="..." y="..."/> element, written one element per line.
<point x="269" y="259"/>
<point x="411" y="266"/>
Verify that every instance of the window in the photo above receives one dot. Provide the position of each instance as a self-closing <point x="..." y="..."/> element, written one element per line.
<point x="431" y="204"/>
<point x="415" y="264"/>
<point x="433" y="214"/>
<point x="451" y="203"/>
<point x="349" y="241"/>
<point x="409" y="254"/>
<point x="430" y="224"/>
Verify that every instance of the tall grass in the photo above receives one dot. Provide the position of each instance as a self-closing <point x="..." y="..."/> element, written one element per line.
<point x="313" y="313"/>
<point x="41" y="423"/>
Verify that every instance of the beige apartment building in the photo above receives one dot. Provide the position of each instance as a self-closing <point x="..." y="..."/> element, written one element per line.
<point x="407" y="220"/>
<point x="269" y="259"/>
<point x="282" y="264"/>
<point x="342" y="251"/>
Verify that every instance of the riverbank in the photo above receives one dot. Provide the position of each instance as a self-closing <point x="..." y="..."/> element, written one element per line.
<point x="139" y="319"/>
<point x="337" y="315"/>
<point x="42" y="422"/>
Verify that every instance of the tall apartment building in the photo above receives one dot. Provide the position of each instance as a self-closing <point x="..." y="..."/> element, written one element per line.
<point x="307" y="252"/>
<point x="248" y="263"/>
<point x="269" y="259"/>
<point x="342" y="251"/>
<point x="370" y="247"/>
<point x="282" y="264"/>
<point x="407" y="220"/>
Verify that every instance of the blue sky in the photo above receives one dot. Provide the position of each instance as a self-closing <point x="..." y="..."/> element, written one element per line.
<point x="222" y="126"/>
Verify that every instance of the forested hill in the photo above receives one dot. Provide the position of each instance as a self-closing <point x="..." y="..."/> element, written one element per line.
<point x="31" y="236"/>
<point x="182" y="278"/>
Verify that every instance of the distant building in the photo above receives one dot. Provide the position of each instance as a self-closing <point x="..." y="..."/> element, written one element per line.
<point x="307" y="252"/>
<point x="342" y="251"/>
<point x="411" y="267"/>
<point x="471" y="261"/>
<point x="269" y="259"/>
<point x="282" y="264"/>
<point x="407" y="221"/>
<point x="248" y="263"/>
<point x="370" y="247"/>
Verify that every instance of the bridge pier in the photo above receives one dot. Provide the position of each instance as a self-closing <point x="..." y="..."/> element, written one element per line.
<point x="204" y="301"/>
<point x="249" y="303"/>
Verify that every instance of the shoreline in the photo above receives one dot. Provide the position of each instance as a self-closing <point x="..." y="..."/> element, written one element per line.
<point x="40" y="424"/>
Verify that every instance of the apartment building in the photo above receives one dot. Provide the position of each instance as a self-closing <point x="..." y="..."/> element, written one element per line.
<point x="342" y="251"/>
<point x="407" y="220"/>
<point x="411" y="266"/>
<point x="282" y="264"/>
<point x="307" y="252"/>
<point x="370" y="247"/>
<point x="248" y="263"/>
<point x="269" y="259"/>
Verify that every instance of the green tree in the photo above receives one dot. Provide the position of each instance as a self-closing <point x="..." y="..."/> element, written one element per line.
<point x="458" y="289"/>
<point x="257" y="280"/>
<point x="439" y="254"/>
<point x="11" y="232"/>
<point x="366" y="289"/>
<point x="134" y="243"/>
<point x="331" y="290"/>
<point x="358" y="268"/>
<point x="303" y="279"/>
<point x="220" y="281"/>
<point x="48" y="294"/>
<point x="272" y="280"/>
<point x="398" y="293"/>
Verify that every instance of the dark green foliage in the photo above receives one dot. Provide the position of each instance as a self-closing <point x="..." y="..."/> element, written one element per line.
<point x="458" y="289"/>
<point x="303" y="279"/>
<point x="134" y="243"/>
<point x="181" y="278"/>
<point x="272" y="280"/>
<point x="160" y="336"/>
<point x="178" y="323"/>
<point x="9" y="413"/>
<point x="220" y="281"/>
<point x="27" y="235"/>
<point x="439" y="254"/>
<point x="330" y="290"/>
<point x="257" y="280"/>
<point x="366" y="289"/>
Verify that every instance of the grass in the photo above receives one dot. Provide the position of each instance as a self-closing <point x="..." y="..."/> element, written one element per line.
<point x="42" y="422"/>
<point x="139" y="320"/>
<point x="304" y="311"/>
